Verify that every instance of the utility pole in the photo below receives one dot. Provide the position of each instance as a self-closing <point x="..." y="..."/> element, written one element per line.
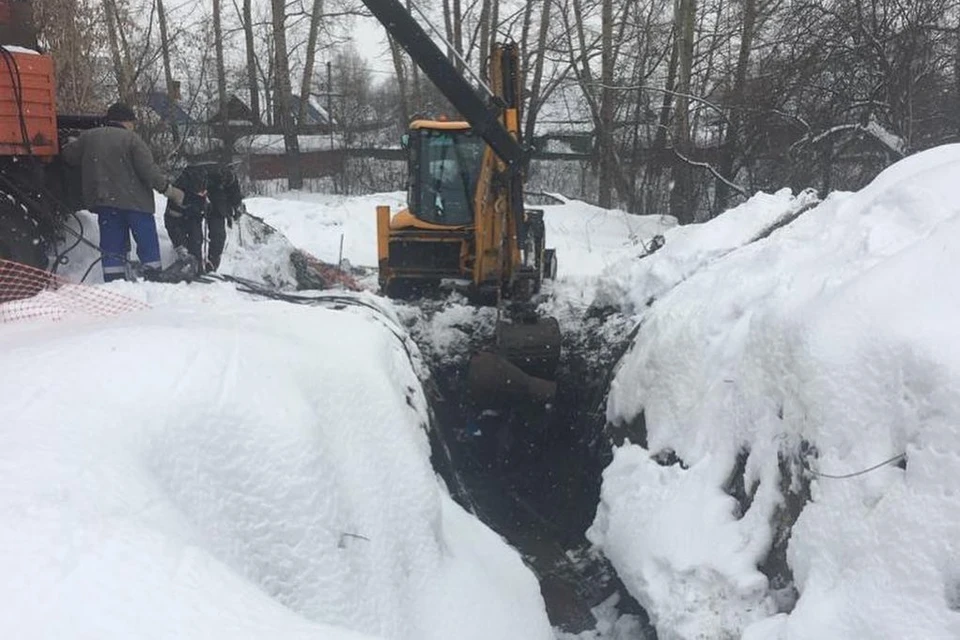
<point x="330" y="102"/>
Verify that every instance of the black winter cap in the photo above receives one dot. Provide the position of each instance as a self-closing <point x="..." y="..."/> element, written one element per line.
<point x="119" y="112"/>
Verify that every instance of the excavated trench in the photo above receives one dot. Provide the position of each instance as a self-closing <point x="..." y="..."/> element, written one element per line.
<point x="531" y="476"/>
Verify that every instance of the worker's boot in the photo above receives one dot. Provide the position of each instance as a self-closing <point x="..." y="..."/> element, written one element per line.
<point x="184" y="269"/>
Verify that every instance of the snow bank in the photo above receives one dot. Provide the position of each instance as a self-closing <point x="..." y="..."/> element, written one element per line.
<point x="218" y="467"/>
<point x="316" y="222"/>
<point x="832" y="344"/>
<point x="589" y="239"/>
<point x="689" y="248"/>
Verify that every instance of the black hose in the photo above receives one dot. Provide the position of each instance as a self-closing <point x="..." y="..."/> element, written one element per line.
<point x="90" y="268"/>
<point x="61" y="255"/>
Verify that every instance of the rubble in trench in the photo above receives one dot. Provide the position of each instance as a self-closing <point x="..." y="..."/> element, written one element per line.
<point x="532" y="476"/>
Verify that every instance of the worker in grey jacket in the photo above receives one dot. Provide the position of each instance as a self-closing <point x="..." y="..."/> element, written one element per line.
<point x="118" y="176"/>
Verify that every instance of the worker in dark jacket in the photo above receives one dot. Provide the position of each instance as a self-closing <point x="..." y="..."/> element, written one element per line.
<point x="118" y="176"/>
<point x="222" y="204"/>
<point x="226" y="205"/>
<point x="184" y="221"/>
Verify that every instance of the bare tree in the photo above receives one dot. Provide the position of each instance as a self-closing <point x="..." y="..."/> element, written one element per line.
<point x="732" y="139"/>
<point x="485" y="28"/>
<point x="282" y="95"/>
<point x="73" y="31"/>
<point x="535" y="87"/>
<point x="309" y="60"/>
<point x="121" y="59"/>
<point x="607" y="106"/>
<point x="172" y="92"/>
<point x="251" y="60"/>
<point x="399" y="67"/>
<point x="682" y="196"/>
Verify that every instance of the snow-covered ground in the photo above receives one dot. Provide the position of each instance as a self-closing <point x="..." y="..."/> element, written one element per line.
<point x="222" y="466"/>
<point x="587" y="238"/>
<point x="829" y="345"/>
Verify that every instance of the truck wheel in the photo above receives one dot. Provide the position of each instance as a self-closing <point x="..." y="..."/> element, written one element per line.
<point x="19" y="237"/>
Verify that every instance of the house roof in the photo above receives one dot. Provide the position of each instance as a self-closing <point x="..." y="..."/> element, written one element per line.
<point x="237" y="112"/>
<point x="315" y="113"/>
<point x="167" y="109"/>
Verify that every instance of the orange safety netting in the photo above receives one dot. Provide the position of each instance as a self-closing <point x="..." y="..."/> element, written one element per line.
<point x="27" y="293"/>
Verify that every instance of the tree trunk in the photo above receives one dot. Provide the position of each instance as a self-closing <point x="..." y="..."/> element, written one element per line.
<point x="732" y="141"/>
<point x="484" y="37"/>
<point x="416" y="102"/>
<point x="167" y="73"/>
<point x="227" y="150"/>
<point x="536" y="83"/>
<point x="309" y="62"/>
<point x="655" y="164"/>
<point x="956" y="79"/>
<point x="458" y="32"/>
<point x="130" y="71"/>
<point x="401" y="71"/>
<point x="604" y="135"/>
<point x="682" y="201"/>
<point x="251" y="61"/>
<point x="605" y="188"/>
<point x="124" y="88"/>
<point x="447" y="27"/>
<point x="282" y="94"/>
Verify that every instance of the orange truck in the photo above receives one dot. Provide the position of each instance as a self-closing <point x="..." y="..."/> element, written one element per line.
<point x="36" y="190"/>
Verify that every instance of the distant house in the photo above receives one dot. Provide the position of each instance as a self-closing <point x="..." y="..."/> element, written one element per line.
<point x="169" y="110"/>
<point x="240" y="118"/>
<point x="237" y="114"/>
<point x="315" y="115"/>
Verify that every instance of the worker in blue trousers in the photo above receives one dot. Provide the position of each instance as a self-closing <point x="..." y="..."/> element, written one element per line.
<point x="118" y="176"/>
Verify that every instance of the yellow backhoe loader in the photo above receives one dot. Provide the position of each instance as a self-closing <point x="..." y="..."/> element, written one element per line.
<point x="465" y="222"/>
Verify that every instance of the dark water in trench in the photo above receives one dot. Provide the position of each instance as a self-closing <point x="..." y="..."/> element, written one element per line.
<point x="534" y="477"/>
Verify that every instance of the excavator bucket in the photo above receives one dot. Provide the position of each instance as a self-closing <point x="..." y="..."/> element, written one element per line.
<point x="522" y="370"/>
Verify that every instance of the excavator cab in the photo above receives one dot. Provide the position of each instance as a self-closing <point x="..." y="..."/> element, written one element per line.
<point x="451" y="218"/>
<point x="444" y="167"/>
<point x="431" y="240"/>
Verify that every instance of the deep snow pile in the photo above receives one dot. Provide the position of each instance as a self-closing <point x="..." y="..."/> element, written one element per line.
<point x="589" y="239"/>
<point x="831" y="344"/>
<point x="222" y="467"/>
<point x="634" y="283"/>
<point x="317" y="222"/>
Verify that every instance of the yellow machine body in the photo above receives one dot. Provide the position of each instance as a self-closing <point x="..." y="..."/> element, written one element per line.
<point x="461" y="221"/>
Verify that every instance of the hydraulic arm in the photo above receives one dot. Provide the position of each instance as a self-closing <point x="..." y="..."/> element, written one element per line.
<point x="415" y="41"/>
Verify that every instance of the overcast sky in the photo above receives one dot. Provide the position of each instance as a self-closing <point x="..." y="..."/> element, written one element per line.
<point x="370" y="39"/>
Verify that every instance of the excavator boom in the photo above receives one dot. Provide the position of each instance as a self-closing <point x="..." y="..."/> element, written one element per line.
<point x="427" y="55"/>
